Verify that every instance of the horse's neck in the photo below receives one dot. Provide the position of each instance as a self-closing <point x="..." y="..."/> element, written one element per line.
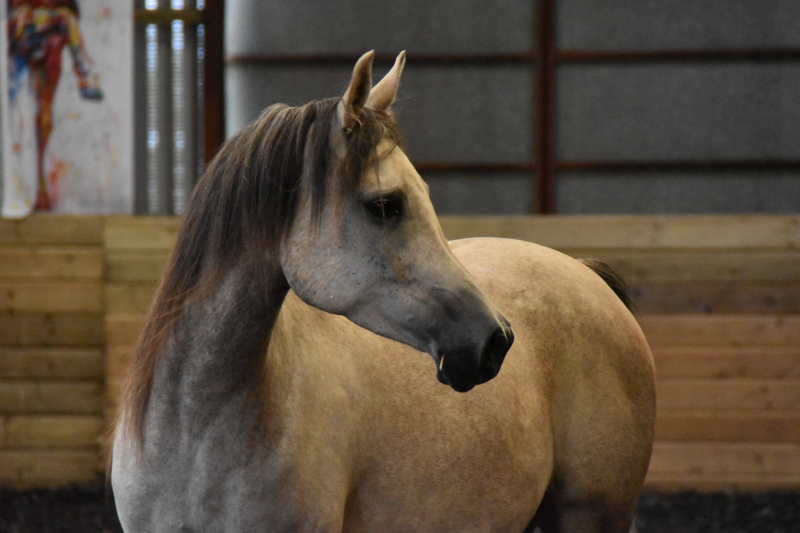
<point x="217" y="350"/>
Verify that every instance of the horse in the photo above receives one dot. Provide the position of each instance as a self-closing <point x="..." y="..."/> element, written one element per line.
<point x="282" y="382"/>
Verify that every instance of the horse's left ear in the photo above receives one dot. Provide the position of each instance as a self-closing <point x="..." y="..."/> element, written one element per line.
<point x="384" y="93"/>
<point x="359" y="90"/>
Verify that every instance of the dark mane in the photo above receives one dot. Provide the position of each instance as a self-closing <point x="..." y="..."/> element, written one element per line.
<point x="245" y="203"/>
<point x="612" y="279"/>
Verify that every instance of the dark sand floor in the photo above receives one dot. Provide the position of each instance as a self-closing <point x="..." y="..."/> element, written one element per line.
<point x="90" y="509"/>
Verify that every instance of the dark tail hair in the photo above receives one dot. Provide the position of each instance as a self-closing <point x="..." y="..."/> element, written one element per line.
<point x="612" y="279"/>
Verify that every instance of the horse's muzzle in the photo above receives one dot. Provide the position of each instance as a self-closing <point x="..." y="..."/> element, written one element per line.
<point x="463" y="370"/>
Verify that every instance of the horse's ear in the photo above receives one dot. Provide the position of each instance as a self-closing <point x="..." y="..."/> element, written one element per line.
<point x="358" y="92"/>
<point x="384" y="93"/>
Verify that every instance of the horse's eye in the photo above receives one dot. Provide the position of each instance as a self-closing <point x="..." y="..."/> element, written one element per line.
<point x="384" y="208"/>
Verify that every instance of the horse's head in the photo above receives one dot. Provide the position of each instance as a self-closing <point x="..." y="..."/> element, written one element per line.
<point x="374" y="251"/>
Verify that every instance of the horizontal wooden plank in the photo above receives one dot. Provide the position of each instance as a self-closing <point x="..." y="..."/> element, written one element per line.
<point x="49" y="397"/>
<point x="758" y="394"/>
<point x="115" y="389"/>
<point x="124" y="329"/>
<point x="701" y="458"/>
<point x="48" y="468"/>
<point x="51" y="296"/>
<point x="638" y="266"/>
<point x="51" y="363"/>
<point x="129" y="297"/>
<point x="53" y="229"/>
<point x="118" y="361"/>
<point x="68" y="431"/>
<point x="141" y="265"/>
<point x="721" y="330"/>
<point x="634" y="232"/>
<point x="721" y="362"/>
<point x="721" y="482"/>
<point x="66" y="262"/>
<point x="140" y="233"/>
<point x="728" y="426"/>
<point x="716" y="297"/>
<point x="63" y="330"/>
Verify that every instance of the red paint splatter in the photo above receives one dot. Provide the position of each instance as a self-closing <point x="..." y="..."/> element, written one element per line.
<point x="17" y="148"/>
<point x="54" y="175"/>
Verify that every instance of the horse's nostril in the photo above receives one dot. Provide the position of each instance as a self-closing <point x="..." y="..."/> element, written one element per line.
<point x="497" y="346"/>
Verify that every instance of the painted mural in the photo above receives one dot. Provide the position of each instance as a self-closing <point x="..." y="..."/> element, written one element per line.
<point x="67" y="107"/>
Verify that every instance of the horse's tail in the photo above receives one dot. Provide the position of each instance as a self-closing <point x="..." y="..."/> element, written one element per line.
<point x="612" y="279"/>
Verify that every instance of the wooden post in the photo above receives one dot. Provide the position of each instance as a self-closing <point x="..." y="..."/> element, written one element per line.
<point x="214" y="20"/>
<point x="544" y="191"/>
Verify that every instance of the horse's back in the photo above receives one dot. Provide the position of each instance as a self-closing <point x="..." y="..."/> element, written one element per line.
<point x="571" y="409"/>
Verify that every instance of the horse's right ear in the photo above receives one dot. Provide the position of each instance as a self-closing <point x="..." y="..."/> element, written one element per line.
<point x="358" y="92"/>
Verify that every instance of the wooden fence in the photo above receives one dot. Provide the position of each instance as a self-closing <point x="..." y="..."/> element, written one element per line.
<point x="717" y="296"/>
<point x="51" y="349"/>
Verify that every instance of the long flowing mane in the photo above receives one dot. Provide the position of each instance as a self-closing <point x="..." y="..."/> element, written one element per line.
<point x="243" y="205"/>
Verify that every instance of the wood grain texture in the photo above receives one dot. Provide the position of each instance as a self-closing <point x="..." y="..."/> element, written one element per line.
<point x="694" y="232"/>
<point x="56" y="330"/>
<point x="48" y="397"/>
<point x="138" y="266"/>
<point x="51" y="363"/>
<point x="44" y="229"/>
<point x="47" y="468"/>
<point x="702" y="458"/>
<point x="66" y="262"/>
<point x="728" y="426"/>
<point x="744" y="394"/>
<point x="119" y="359"/>
<point x="721" y="362"/>
<point x="721" y="330"/>
<point x="672" y="482"/>
<point x="124" y="329"/>
<point x="68" y="431"/>
<point x="129" y="297"/>
<point x="680" y="266"/>
<point x="51" y="296"/>
<point x="140" y="233"/>
<point x="745" y="297"/>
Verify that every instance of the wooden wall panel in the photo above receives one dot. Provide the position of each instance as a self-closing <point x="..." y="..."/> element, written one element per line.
<point x="51" y="262"/>
<point x="718" y="297"/>
<point x="51" y="363"/>
<point x="49" y="230"/>
<point x="51" y="330"/>
<point x="35" y="468"/>
<point x="52" y="367"/>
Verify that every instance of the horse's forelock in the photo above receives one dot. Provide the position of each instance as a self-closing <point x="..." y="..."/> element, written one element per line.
<point x="246" y="201"/>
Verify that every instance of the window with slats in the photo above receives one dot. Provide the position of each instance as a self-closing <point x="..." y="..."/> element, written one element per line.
<point x="177" y="124"/>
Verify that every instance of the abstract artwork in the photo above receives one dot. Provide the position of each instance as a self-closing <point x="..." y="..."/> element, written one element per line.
<point x="67" y="107"/>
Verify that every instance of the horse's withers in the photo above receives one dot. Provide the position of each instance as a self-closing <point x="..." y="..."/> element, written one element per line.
<point x="379" y="256"/>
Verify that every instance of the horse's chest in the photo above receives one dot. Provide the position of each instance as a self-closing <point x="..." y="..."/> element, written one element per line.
<point x="203" y="492"/>
<point x="219" y="479"/>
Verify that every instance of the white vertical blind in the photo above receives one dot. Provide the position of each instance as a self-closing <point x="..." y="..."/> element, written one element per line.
<point x="174" y="54"/>
<point x="155" y="181"/>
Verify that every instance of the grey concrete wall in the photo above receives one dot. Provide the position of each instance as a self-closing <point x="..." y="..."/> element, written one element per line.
<point x="677" y="24"/>
<point x="356" y="26"/>
<point x="678" y="193"/>
<point x="663" y="111"/>
<point x="453" y="114"/>
<point x="678" y="110"/>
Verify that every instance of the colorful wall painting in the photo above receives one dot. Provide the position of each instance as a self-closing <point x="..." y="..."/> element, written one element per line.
<point x="67" y="107"/>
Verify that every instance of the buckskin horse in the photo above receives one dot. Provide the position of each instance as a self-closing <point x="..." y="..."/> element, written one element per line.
<point x="280" y="386"/>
